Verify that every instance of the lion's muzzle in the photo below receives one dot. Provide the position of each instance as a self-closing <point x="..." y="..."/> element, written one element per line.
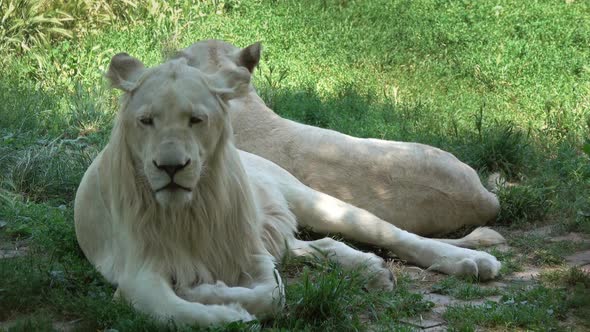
<point x="171" y="169"/>
<point x="173" y="172"/>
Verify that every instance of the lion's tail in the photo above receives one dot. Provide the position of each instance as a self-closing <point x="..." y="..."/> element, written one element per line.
<point x="480" y="237"/>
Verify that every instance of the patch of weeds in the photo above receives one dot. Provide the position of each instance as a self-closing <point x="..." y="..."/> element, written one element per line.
<point x="579" y="302"/>
<point x="46" y="170"/>
<point x="540" y="252"/>
<point x="537" y="308"/>
<point x="559" y="121"/>
<point x="19" y="230"/>
<point x="37" y="322"/>
<point x="581" y="222"/>
<point x="567" y="172"/>
<point x="500" y="148"/>
<point x="568" y="277"/>
<point x="577" y="282"/>
<point x="326" y="297"/>
<point x="90" y="113"/>
<point x="521" y="204"/>
<point x="51" y="229"/>
<point x="463" y="289"/>
<point x="272" y="77"/>
<point x="404" y="303"/>
<point x="21" y="107"/>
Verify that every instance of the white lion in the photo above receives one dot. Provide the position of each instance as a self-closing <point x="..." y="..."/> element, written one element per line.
<point x="188" y="227"/>
<point x="416" y="187"/>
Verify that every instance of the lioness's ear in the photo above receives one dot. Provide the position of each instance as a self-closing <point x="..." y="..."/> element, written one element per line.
<point x="230" y="83"/>
<point x="124" y="71"/>
<point x="250" y="56"/>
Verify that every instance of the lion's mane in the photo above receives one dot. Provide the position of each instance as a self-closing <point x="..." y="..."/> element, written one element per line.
<point x="170" y="238"/>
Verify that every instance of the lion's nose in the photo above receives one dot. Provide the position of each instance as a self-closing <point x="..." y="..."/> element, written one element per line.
<point x="171" y="169"/>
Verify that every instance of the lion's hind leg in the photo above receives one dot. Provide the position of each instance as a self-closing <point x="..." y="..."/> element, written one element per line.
<point x="379" y="275"/>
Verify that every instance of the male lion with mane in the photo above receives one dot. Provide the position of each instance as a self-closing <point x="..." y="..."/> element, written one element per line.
<point x="189" y="228"/>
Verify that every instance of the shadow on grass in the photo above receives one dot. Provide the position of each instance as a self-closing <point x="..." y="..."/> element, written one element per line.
<point x="487" y="147"/>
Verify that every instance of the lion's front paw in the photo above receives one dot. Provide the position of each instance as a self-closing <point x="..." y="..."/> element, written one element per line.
<point x="240" y="314"/>
<point x="204" y="293"/>
<point x="222" y="314"/>
<point x="483" y="268"/>
<point x="381" y="277"/>
<point x="470" y="263"/>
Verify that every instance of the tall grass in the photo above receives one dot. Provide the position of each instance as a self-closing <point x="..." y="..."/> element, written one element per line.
<point x="25" y="24"/>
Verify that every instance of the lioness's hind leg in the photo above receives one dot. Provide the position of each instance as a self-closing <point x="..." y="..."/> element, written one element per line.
<point x="326" y="214"/>
<point x="379" y="275"/>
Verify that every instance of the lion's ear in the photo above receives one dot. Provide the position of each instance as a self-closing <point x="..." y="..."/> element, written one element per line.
<point x="250" y="56"/>
<point x="230" y="83"/>
<point x="124" y="71"/>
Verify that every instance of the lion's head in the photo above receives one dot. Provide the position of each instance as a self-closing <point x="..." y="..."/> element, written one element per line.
<point x="212" y="55"/>
<point x="173" y="118"/>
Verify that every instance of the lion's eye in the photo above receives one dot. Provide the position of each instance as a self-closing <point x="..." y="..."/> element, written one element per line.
<point x="147" y="121"/>
<point x="195" y="120"/>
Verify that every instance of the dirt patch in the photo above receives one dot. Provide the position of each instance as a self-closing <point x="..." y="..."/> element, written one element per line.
<point x="422" y="281"/>
<point x="11" y="249"/>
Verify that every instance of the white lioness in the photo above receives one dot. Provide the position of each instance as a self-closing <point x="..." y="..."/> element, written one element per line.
<point x="188" y="227"/>
<point x="416" y="187"/>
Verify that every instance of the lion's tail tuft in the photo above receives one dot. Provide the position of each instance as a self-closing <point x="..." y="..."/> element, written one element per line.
<point x="480" y="237"/>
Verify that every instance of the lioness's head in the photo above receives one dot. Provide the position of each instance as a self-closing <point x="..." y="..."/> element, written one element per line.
<point x="212" y="55"/>
<point x="173" y="119"/>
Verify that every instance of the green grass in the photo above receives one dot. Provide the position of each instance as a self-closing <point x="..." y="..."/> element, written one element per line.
<point x="540" y="252"/>
<point x="33" y="323"/>
<point x="504" y="85"/>
<point x="463" y="289"/>
<point x="522" y="204"/>
<point x="562" y="292"/>
<point x="538" y="308"/>
<point x="570" y="277"/>
<point x="325" y="297"/>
